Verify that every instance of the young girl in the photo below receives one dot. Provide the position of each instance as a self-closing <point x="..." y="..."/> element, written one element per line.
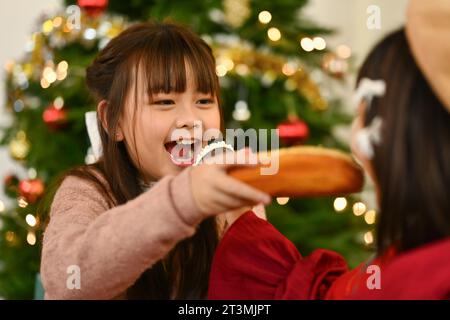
<point x="139" y="223"/>
<point x="402" y="138"/>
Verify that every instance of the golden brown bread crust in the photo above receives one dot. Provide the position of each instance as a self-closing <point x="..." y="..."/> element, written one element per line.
<point x="306" y="172"/>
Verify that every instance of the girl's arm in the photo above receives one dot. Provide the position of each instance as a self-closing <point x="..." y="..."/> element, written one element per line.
<point x="111" y="248"/>
<point x="255" y="261"/>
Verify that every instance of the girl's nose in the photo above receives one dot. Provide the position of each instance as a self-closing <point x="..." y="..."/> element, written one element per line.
<point x="187" y="118"/>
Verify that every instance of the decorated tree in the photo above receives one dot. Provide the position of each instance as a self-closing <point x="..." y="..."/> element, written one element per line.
<point x="275" y="71"/>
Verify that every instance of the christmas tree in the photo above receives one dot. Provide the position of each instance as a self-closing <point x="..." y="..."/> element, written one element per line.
<point x="275" y="71"/>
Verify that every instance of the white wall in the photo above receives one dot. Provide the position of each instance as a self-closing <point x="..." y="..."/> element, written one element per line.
<point x="349" y="18"/>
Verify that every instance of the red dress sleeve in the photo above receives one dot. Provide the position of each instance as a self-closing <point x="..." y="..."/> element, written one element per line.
<point x="255" y="261"/>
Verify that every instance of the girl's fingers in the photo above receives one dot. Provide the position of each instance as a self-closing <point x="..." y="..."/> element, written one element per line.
<point x="227" y="159"/>
<point x="227" y="202"/>
<point x="241" y="190"/>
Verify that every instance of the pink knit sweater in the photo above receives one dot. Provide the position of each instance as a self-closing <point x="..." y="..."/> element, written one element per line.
<point x="112" y="247"/>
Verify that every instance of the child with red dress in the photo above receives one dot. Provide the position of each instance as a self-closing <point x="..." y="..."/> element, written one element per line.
<point x="401" y="136"/>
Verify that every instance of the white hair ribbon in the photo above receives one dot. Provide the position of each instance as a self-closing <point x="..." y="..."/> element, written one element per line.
<point x="369" y="136"/>
<point x="94" y="134"/>
<point x="367" y="89"/>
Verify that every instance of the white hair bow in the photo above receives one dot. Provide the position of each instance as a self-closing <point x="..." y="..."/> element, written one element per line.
<point x="369" y="136"/>
<point x="94" y="134"/>
<point x="367" y="89"/>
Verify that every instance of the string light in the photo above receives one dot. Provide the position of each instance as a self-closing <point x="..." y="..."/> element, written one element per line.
<point x="2" y="206"/>
<point x="370" y="217"/>
<point x="31" y="238"/>
<point x="227" y="63"/>
<point x="47" y="26"/>
<point x="319" y="43"/>
<point x="31" y="220"/>
<point x="274" y="34"/>
<point x="90" y="34"/>
<point x="340" y="204"/>
<point x="307" y="44"/>
<point x="288" y="69"/>
<point x="359" y="208"/>
<point x="221" y="70"/>
<point x="282" y="200"/>
<point x="264" y="17"/>
<point x="58" y="102"/>
<point x="344" y="51"/>
<point x="22" y="202"/>
<point x="44" y="83"/>
<point x="10" y="236"/>
<point x="242" y="69"/>
<point x="57" y="22"/>
<point x="368" y="237"/>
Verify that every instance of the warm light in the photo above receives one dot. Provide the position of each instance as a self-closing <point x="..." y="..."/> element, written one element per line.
<point x="288" y="69"/>
<point x="359" y="208"/>
<point x="242" y="69"/>
<point x="282" y="200"/>
<point x="228" y="63"/>
<point x="49" y="75"/>
<point x="274" y="34"/>
<point x="31" y="220"/>
<point x="62" y="66"/>
<point x="44" y="83"/>
<point x="10" y="236"/>
<point x="307" y="44"/>
<point x="31" y="238"/>
<point x="90" y="34"/>
<point x="343" y="51"/>
<point x="58" y="102"/>
<point x="57" y="22"/>
<point x="2" y="206"/>
<point x="221" y="70"/>
<point x="340" y="204"/>
<point x="61" y="75"/>
<point x="370" y="216"/>
<point x="47" y="26"/>
<point x="9" y="65"/>
<point x="32" y="173"/>
<point x="319" y="43"/>
<point x="290" y="84"/>
<point x="22" y="202"/>
<point x="368" y="237"/>
<point x="264" y="17"/>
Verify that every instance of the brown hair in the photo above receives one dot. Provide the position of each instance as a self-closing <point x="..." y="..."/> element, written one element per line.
<point x="160" y="52"/>
<point x="412" y="163"/>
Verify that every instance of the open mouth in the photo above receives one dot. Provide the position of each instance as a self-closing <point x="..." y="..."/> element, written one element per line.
<point x="183" y="152"/>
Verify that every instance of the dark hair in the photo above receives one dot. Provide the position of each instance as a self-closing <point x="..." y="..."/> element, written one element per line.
<point x="412" y="163"/>
<point x="160" y="51"/>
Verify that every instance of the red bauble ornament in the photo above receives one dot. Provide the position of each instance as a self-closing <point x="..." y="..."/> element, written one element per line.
<point x="93" y="7"/>
<point x="31" y="189"/>
<point x="55" y="118"/>
<point x="293" y="131"/>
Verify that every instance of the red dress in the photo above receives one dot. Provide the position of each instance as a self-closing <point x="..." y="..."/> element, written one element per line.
<point x="255" y="261"/>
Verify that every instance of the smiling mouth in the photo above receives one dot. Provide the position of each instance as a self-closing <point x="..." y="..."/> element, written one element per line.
<point x="183" y="153"/>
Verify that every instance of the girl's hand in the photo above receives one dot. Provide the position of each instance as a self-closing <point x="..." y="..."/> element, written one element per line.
<point x="215" y="192"/>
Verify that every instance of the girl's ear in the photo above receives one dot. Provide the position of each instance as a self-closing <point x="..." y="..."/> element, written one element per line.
<point x="101" y="111"/>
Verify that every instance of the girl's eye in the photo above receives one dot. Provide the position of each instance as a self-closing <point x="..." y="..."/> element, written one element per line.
<point x="164" y="102"/>
<point x="205" y="101"/>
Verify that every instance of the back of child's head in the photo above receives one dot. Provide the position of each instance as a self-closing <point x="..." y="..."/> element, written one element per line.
<point x="411" y="164"/>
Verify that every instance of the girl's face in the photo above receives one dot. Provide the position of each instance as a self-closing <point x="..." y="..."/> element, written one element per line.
<point x="149" y="138"/>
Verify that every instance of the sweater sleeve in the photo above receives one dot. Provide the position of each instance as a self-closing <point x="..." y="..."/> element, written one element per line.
<point x="111" y="248"/>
